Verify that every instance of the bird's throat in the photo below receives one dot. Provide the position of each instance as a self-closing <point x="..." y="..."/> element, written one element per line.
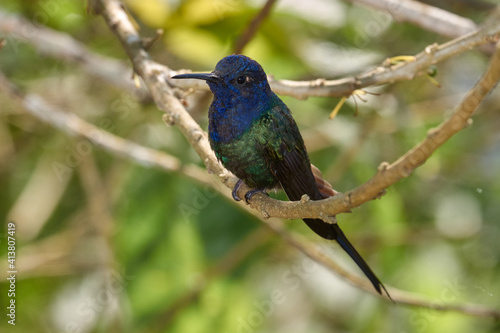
<point x="230" y="119"/>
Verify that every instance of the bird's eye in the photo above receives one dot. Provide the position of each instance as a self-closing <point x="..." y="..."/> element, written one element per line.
<point x="241" y="79"/>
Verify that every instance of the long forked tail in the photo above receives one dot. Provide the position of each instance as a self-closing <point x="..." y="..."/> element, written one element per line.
<point x="347" y="246"/>
<point x="333" y="232"/>
<point x="297" y="177"/>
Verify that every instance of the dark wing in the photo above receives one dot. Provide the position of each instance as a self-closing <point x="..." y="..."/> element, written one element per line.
<point x="293" y="171"/>
<point x="292" y="168"/>
<point x="290" y="162"/>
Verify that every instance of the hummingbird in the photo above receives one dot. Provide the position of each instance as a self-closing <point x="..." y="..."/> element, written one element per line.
<point x="253" y="134"/>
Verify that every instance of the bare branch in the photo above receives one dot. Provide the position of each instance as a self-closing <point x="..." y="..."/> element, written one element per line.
<point x="386" y="73"/>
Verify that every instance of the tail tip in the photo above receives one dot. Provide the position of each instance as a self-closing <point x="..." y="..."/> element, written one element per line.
<point x="379" y="287"/>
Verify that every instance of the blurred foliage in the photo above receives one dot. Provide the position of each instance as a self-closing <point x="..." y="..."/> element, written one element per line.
<point x="113" y="246"/>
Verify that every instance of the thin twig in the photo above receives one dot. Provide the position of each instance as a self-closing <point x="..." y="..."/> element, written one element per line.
<point x="386" y="73"/>
<point x="252" y="27"/>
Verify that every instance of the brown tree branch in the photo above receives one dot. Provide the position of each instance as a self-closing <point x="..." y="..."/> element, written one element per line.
<point x="387" y="73"/>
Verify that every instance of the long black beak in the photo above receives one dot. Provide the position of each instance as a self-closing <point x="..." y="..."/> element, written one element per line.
<point x="200" y="76"/>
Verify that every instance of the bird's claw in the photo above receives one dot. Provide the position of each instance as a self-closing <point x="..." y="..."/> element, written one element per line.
<point x="236" y="189"/>
<point x="251" y="193"/>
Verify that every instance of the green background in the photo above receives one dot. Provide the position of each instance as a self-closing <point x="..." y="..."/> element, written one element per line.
<point x="114" y="246"/>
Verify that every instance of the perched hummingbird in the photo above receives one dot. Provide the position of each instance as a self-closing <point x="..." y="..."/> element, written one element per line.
<point x="253" y="134"/>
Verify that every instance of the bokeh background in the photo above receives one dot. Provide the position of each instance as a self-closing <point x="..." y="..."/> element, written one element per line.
<point x="108" y="245"/>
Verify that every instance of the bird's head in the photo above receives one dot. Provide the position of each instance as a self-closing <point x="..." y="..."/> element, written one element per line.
<point x="234" y="75"/>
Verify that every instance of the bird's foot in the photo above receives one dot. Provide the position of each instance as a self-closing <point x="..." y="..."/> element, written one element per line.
<point x="251" y="193"/>
<point x="236" y="189"/>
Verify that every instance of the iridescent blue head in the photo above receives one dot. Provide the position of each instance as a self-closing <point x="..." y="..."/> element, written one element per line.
<point x="234" y="74"/>
<point x="241" y="96"/>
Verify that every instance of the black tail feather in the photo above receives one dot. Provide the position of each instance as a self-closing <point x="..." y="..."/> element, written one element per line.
<point x="333" y="232"/>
